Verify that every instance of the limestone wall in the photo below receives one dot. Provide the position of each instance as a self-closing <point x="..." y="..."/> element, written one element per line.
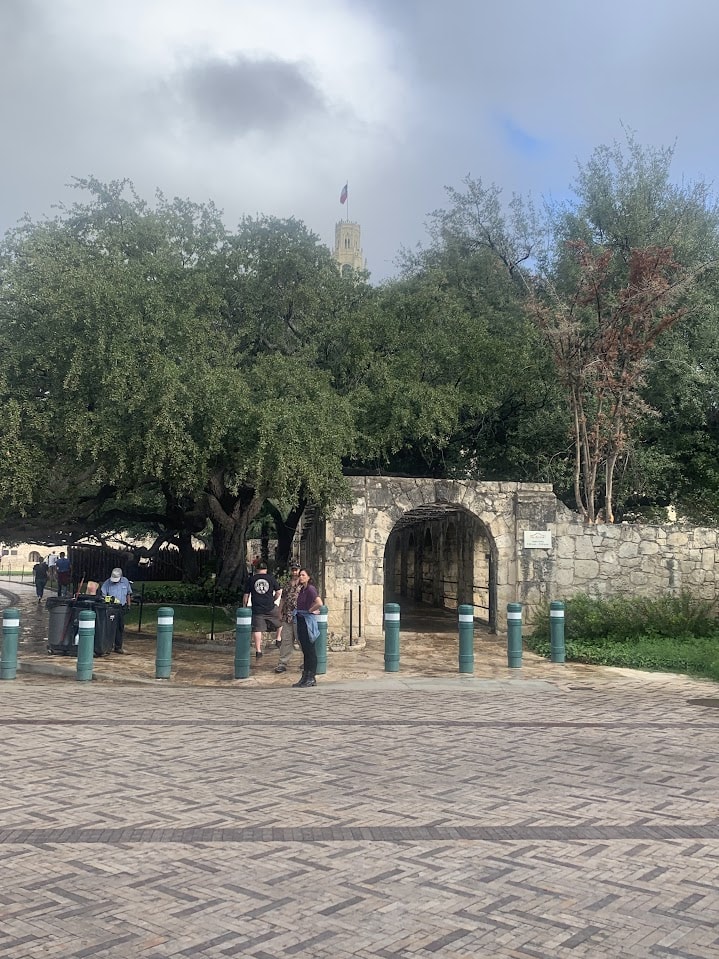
<point x="597" y="560"/>
<point x="628" y="558"/>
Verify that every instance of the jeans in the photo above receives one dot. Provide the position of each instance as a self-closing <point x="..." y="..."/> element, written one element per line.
<point x="308" y="648"/>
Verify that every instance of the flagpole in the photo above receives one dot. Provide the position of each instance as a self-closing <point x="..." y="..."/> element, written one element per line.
<point x="348" y="201"/>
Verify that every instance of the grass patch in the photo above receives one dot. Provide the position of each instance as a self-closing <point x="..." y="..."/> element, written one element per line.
<point x="188" y="621"/>
<point x="677" y="634"/>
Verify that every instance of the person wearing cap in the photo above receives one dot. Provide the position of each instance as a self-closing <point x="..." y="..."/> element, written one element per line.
<point x="287" y="632"/>
<point x="118" y="589"/>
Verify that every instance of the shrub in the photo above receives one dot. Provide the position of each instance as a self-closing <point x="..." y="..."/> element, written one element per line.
<point x="188" y="594"/>
<point x="624" y="618"/>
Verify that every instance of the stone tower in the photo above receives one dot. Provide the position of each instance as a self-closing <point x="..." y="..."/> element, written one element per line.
<point x="348" y="248"/>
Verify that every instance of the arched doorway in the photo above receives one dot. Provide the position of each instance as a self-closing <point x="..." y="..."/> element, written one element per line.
<point x="451" y="556"/>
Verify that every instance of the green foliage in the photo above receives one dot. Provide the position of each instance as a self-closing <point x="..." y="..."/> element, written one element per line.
<point x="672" y="633"/>
<point x="682" y="654"/>
<point x="623" y="618"/>
<point x="198" y="594"/>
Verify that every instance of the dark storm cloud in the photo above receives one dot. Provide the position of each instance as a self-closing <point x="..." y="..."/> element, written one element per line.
<point x="243" y="95"/>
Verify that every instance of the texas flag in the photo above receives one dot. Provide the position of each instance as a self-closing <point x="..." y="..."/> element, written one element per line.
<point x="343" y="194"/>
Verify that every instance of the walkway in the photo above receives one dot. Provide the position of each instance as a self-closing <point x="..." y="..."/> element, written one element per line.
<point x="557" y="815"/>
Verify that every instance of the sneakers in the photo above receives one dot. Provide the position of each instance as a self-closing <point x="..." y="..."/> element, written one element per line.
<point x="120" y="652"/>
<point x="281" y="668"/>
<point x="258" y="653"/>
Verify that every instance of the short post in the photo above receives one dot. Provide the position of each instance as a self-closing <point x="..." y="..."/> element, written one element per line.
<point x="321" y="642"/>
<point x="391" y="637"/>
<point x="163" y="651"/>
<point x="466" y="638"/>
<point x="142" y="606"/>
<point x="85" y="645"/>
<point x="556" y="631"/>
<point x="10" y="632"/>
<point x="243" y="630"/>
<point x="514" y="635"/>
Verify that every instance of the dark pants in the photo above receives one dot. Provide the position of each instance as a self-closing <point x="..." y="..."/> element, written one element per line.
<point x="120" y="632"/>
<point x="40" y="585"/>
<point x="308" y="648"/>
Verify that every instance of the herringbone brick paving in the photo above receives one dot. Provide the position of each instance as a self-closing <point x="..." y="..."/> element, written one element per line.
<point x="510" y="821"/>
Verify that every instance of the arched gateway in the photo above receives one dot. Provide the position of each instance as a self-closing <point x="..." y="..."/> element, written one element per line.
<point x="440" y="542"/>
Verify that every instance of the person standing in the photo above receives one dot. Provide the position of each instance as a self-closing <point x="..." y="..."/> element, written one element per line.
<point x="51" y="562"/>
<point x="264" y="594"/>
<point x="40" y="574"/>
<point x="63" y="571"/>
<point x="118" y="588"/>
<point x="287" y="633"/>
<point x="308" y="627"/>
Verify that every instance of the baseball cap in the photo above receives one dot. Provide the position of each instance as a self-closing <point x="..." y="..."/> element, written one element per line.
<point x="295" y="566"/>
<point x="116" y="575"/>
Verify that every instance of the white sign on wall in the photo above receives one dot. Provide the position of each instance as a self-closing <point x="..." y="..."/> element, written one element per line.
<point x="537" y="539"/>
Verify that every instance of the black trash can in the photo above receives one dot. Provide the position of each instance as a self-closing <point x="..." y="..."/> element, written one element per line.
<point x="61" y="627"/>
<point x="107" y="617"/>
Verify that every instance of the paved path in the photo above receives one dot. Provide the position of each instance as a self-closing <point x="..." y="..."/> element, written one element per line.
<point x="419" y="817"/>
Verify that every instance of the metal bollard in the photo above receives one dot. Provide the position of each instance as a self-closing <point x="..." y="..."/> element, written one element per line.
<point x="556" y="631"/>
<point x="10" y="633"/>
<point x="163" y="651"/>
<point x="514" y="635"/>
<point x="391" y="637"/>
<point x="85" y="645"/>
<point x="466" y="638"/>
<point x="321" y="643"/>
<point x="243" y="635"/>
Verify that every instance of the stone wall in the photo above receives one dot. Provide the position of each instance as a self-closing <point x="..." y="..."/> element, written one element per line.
<point x="599" y="560"/>
<point x="356" y="536"/>
<point x="633" y="559"/>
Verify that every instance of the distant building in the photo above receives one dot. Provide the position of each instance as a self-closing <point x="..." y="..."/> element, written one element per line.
<point x="348" y="246"/>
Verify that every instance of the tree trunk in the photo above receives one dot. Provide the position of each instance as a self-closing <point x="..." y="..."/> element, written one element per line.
<point x="231" y="515"/>
<point x="188" y="557"/>
<point x="286" y="529"/>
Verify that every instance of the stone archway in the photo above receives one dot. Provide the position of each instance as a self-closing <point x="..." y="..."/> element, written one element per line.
<point x="356" y="539"/>
<point x="455" y="554"/>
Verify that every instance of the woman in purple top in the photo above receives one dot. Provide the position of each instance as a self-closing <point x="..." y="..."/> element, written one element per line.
<point x="308" y="605"/>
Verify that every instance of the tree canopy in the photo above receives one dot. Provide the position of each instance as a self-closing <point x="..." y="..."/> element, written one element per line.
<point x="161" y="372"/>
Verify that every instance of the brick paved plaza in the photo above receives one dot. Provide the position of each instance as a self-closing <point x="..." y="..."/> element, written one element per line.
<point x="409" y="818"/>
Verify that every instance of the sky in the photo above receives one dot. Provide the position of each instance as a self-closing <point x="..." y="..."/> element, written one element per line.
<point x="271" y="106"/>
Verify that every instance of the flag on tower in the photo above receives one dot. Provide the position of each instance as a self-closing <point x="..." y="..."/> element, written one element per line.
<point x="343" y="194"/>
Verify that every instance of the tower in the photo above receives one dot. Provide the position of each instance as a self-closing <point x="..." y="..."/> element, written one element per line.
<point x="348" y="249"/>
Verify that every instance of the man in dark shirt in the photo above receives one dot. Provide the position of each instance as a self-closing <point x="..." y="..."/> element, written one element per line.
<point x="63" y="570"/>
<point x="263" y="593"/>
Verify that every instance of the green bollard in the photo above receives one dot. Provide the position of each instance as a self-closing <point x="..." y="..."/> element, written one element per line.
<point x="243" y="634"/>
<point x="556" y="631"/>
<point x="85" y="645"/>
<point x="321" y="644"/>
<point x="163" y="652"/>
<point x="514" y="635"/>
<point x="466" y="638"/>
<point x="10" y="632"/>
<point x="391" y="637"/>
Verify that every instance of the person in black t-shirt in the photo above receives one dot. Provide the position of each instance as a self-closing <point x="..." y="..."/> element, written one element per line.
<point x="263" y="593"/>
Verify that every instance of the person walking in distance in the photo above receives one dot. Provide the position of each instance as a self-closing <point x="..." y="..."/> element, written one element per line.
<point x="118" y="589"/>
<point x="40" y="575"/>
<point x="308" y="627"/>
<point x="264" y="594"/>
<point x="287" y="633"/>
<point x="63" y="571"/>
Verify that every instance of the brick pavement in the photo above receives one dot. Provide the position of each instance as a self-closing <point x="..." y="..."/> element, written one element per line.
<point x="560" y="815"/>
